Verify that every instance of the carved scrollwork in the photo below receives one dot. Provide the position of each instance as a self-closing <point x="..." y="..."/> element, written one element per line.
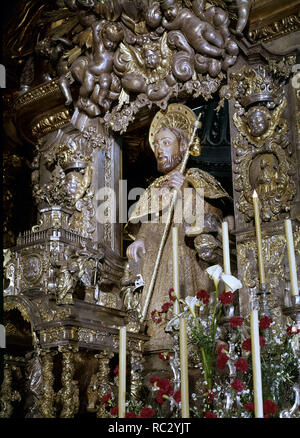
<point x="145" y="52"/>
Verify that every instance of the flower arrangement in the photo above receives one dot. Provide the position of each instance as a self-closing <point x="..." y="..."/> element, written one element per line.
<point x="223" y="344"/>
<point x="220" y="340"/>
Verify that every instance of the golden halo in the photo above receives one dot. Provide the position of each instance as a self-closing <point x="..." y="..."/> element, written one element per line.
<point x="177" y="115"/>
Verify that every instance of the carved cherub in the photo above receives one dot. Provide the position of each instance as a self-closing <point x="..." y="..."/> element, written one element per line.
<point x="51" y="50"/>
<point x="218" y="18"/>
<point x="244" y="7"/>
<point x="106" y="36"/>
<point x="258" y="123"/>
<point x="145" y="69"/>
<point x="205" y="31"/>
<point x="95" y="72"/>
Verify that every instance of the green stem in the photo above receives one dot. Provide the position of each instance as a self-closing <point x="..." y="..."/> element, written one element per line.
<point x="207" y="370"/>
<point x="215" y="324"/>
<point x="215" y="309"/>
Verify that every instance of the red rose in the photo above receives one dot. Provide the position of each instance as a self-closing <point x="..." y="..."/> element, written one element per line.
<point x="226" y="298"/>
<point x="237" y="385"/>
<point x="222" y="349"/>
<point x="161" y="397"/>
<point x="116" y="370"/>
<point x="292" y="330"/>
<point x="246" y="345"/>
<point x="147" y="413"/>
<point x="164" y="356"/>
<point x="177" y="396"/>
<point x="210" y="414"/>
<point x="262" y="341"/>
<point x="165" y="307"/>
<point x="130" y="415"/>
<point x="249" y="406"/>
<point x="156" y="316"/>
<point x="236" y="321"/>
<point x="269" y="407"/>
<point x="114" y="410"/>
<point x="222" y="361"/>
<point x="166" y="386"/>
<point x="154" y="380"/>
<point x="265" y="322"/>
<point x="172" y="295"/>
<point x="241" y="364"/>
<point x="165" y="389"/>
<point x="106" y="399"/>
<point x="203" y="295"/>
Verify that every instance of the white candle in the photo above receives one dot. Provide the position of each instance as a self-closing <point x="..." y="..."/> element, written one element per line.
<point x="256" y="365"/>
<point x="291" y="256"/>
<point x="175" y="268"/>
<point x="122" y="373"/>
<point x="226" y="251"/>
<point x="184" y="373"/>
<point x="258" y="238"/>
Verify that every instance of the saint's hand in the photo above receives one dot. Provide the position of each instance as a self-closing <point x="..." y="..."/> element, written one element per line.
<point x="175" y="180"/>
<point x="135" y="250"/>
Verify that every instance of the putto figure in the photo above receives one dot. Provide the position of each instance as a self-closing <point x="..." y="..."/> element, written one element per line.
<point x="205" y="30"/>
<point x="95" y="73"/>
<point x="169" y="134"/>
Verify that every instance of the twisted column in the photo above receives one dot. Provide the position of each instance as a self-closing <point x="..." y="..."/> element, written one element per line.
<point x="48" y="394"/>
<point x="69" y="393"/>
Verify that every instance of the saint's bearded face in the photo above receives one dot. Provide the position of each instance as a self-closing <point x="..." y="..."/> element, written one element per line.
<point x="167" y="151"/>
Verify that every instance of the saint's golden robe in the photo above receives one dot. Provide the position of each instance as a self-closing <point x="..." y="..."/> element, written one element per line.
<point x="192" y="275"/>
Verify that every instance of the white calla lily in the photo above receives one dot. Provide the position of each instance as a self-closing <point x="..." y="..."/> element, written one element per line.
<point x="191" y="302"/>
<point x="173" y="324"/>
<point x="215" y="273"/>
<point x="232" y="282"/>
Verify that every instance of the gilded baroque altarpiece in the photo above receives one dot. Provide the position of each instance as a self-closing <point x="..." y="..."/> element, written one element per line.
<point x="92" y="72"/>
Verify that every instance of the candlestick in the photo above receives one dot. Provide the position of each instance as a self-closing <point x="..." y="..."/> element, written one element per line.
<point x="122" y="372"/>
<point x="226" y="251"/>
<point x="258" y="238"/>
<point x="185" y="409"/>
<point x="291" y="256"/>
<point x="256" y="365"/>
<point x="175" y="268"/>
